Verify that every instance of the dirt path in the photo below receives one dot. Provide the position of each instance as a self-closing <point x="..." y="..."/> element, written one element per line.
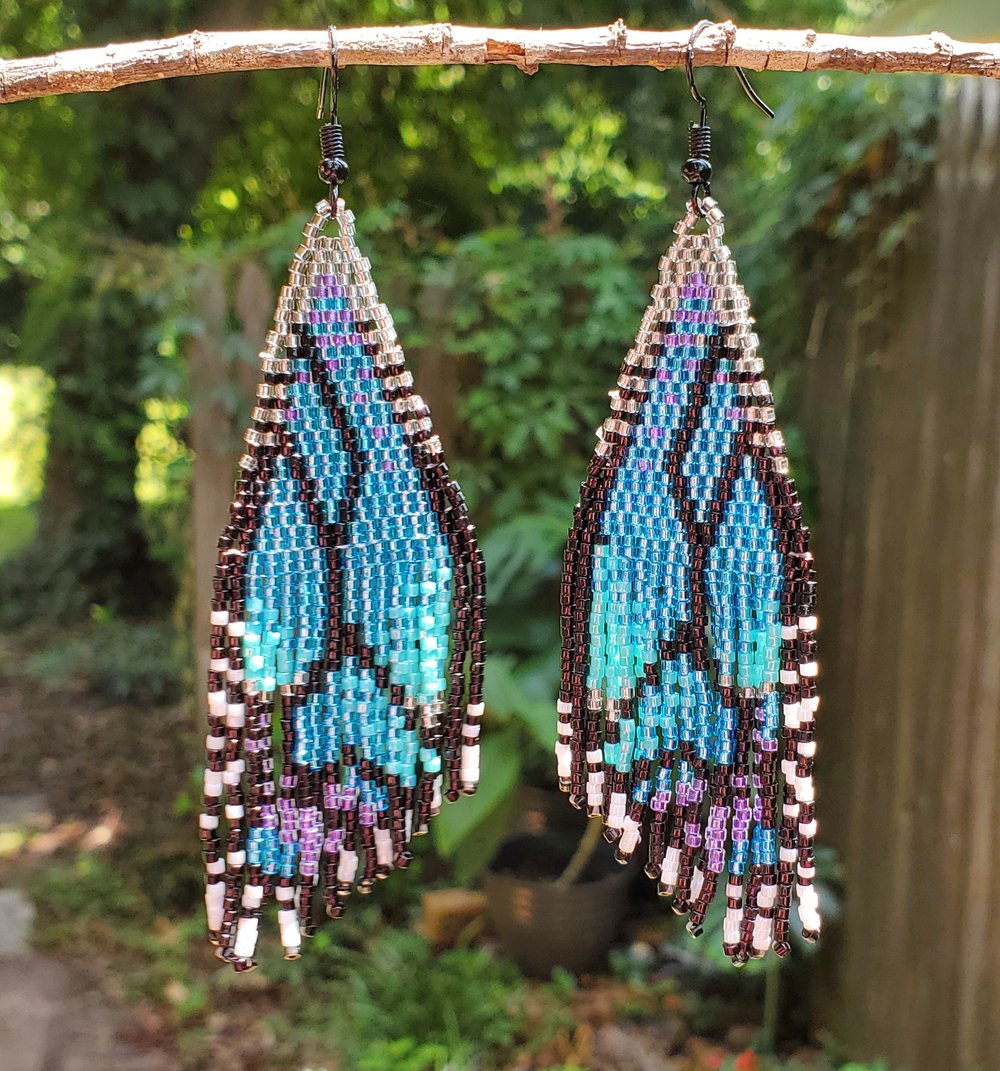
<point x="53" y="1017"/>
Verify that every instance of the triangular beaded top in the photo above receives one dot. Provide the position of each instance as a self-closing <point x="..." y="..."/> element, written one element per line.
<point x="348" y="614"/>
<point x="688" y="690"/>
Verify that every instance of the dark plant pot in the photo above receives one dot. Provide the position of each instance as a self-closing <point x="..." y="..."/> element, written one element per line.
<point x="542" y="925"/>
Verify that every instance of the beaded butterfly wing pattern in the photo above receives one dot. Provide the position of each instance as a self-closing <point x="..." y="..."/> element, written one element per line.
<point x="345" y="681"/>
<point x="688" y="678"/>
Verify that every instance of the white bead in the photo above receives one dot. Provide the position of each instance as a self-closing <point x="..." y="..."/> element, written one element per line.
<point x="383" y="846"/>
<point x="218" y="665"/>
<point x="762" y="933"/>
<point x="236" y="859"/>
<point x="731" y="926"/>
<point x="808" y="624"/>
<point x="809" y="669"/>
<point x="471" y="730"/>
<point x="564" y="760"/>
<point x="630" y="836"/>
<point x="217" y="704"/>
<point x="236" y="715"/>
<point x="253" y="896"/>
<point x="808" y="900"/>
<point x="219" y="617"/>
<point x="470" y="764"/>
<point x="284" y="894"/>
<point x="288" y="926"/>
<point x="215" y="896"/>
<point x="236" y="628"/>
<point x="246" y="936"/>
<point x="216" y="866"/>
<point x="213" y="783"/>
<point x="697" y="881"/>
<point x="671" y="866"/>
<point x="789" y="676"/>
<point x="767" y="896"/>
<point x="234" y="811"/>
<point x="208" y="821"/>
<point x="807" y="748"/>
<point x="562" y="707"/>
<point x="475" y="710"/>
<point x="347" y="866"/>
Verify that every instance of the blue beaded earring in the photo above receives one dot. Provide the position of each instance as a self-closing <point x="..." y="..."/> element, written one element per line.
<point x="688" y="691"/>
<point x="345" y="682"/>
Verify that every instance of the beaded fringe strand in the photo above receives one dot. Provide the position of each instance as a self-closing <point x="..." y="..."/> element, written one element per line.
<point x="345" y="682"/>
<point x="688" y="690"/>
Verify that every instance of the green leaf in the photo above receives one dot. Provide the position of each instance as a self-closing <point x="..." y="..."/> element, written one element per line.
<point x="507" y="700"/>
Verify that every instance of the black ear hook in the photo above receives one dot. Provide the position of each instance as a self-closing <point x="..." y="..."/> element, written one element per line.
<point x="330" y="74"/>
<point x="697" y="168"/>
<point x="740" y="73"/>
<point x="333" y="169"/>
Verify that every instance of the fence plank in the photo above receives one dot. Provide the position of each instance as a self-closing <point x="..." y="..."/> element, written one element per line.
<point x="903" y="417"/>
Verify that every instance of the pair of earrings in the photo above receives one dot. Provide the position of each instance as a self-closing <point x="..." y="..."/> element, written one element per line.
<point x="345" y="692"/>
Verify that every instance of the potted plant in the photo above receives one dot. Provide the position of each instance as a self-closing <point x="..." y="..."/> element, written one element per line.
<point x="555" y="894"/>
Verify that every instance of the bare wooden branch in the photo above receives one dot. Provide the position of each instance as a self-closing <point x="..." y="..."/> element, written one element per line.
<point x="89" y="70"/>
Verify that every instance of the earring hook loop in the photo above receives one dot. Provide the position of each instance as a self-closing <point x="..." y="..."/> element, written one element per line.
<point x="696" y="93"/>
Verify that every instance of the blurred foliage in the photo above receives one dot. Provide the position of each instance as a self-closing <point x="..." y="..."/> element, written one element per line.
<point x="115" y="659"/>
<point x="25" y="395"/>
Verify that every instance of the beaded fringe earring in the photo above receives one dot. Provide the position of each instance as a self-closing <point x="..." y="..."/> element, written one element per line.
<point x="688" y="678"/>
<point x="345" y="682"/>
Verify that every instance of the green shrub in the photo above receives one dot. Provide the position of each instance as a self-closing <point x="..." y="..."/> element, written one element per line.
<point x="116" y="659"/>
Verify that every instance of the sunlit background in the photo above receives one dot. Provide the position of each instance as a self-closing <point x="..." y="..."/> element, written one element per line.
<point x="514" y="224"/>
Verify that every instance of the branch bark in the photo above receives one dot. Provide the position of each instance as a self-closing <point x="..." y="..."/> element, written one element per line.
<point x="90" y="70"/>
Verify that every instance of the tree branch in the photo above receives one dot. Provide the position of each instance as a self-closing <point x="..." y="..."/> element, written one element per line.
<point x="89" y="70"/>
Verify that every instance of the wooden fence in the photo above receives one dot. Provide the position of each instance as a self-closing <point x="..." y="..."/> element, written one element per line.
<point x="903" y="418"/>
